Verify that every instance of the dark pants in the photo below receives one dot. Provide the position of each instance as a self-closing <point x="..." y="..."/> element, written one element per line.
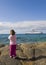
<point x="12" y="50"/>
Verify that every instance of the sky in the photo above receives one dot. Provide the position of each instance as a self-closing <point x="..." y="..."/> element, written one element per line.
<point x="22" y="15"/>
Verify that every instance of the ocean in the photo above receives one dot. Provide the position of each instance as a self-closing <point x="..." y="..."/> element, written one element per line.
<point x="23" y="38"/>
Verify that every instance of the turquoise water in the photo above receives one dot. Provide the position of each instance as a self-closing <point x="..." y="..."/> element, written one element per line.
<point x="24" y="38"/>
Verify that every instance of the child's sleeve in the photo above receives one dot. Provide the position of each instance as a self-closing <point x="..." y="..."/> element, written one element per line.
<point x="9" y="37"/>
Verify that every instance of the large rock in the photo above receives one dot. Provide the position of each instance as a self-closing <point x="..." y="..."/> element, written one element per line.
<point x="6" y="60"/>
<point x="27" y="54"/>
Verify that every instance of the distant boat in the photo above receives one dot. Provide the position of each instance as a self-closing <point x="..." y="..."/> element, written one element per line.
<point x="34" y="32"/>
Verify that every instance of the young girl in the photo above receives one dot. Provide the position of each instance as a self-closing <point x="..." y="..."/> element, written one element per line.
<point x="12" y="39"/>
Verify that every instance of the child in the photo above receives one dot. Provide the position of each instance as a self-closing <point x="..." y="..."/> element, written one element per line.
<point x="12" y="39"/>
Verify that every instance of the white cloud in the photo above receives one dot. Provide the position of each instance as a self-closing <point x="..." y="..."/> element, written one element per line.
<point x="22" y="27"/>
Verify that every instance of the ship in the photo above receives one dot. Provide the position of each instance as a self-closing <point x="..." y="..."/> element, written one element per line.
<point x="34" y="32"/>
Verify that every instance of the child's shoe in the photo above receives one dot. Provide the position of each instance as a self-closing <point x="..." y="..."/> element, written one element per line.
<point x="11" y="57"/>
<point x="14" y="56"/>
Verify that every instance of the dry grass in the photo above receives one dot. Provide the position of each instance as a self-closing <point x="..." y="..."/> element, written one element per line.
<point x="27" y="62"/>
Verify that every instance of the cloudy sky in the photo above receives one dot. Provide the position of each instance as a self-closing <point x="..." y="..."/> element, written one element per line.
<point x="22" y="15"/>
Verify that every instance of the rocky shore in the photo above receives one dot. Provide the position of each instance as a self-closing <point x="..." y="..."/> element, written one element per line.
<point x="26" y="54"/>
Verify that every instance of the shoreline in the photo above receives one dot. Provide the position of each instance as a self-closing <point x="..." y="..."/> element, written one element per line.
<point x="25" y="43"/>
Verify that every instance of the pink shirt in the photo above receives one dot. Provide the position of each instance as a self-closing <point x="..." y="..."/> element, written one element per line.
<point x="12" y="39"/>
